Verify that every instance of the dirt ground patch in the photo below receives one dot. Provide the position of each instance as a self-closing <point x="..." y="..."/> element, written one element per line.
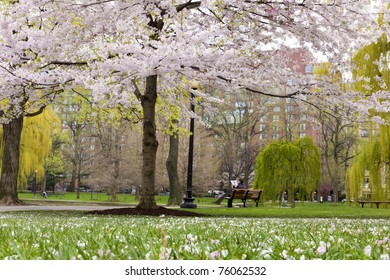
<point x="134" y="211"/>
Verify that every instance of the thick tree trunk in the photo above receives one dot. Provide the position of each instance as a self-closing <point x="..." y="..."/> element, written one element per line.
<point x="12" y="132"/>
<point x="175" y="190"/>
<point x="149" y="145"/>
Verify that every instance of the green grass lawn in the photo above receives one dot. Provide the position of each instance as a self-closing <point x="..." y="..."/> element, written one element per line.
<point x="49" y="235"/>
<point x="302" y="210"/>
<point x="332" y="231"/>
<point x="206" y="206"/>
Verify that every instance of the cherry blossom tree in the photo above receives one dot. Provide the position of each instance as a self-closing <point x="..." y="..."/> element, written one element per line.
<point x="26" y="89"/>
<point x="127" y="52"/>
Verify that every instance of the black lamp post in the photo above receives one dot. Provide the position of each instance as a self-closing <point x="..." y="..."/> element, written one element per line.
<point x="188" y="199"/>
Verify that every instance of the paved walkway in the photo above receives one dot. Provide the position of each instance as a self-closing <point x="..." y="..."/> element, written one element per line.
<point x="57" y="207"/>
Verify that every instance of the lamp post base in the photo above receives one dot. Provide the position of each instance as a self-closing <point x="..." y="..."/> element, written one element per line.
<point x="188" y="203"/>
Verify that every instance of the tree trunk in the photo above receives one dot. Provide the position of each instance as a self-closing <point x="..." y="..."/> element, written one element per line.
<point x="78" y="180"/>
<point x="175" y="190"/>
<point x="149" y="145"/>
<point x="116" y="165"/>
<point x="291" y="195"/>
<point x="114" y="185"/>
<point x="78" y="166"/>
<point x="336" y="160"/>
<point x="12" y="132"/>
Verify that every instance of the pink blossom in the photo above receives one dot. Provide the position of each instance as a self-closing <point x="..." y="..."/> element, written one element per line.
<point x="214" y="255"/>
<point x="322" y="248"/>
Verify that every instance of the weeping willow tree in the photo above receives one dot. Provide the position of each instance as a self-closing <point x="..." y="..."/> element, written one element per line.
<point x="35" y="146"/>
<point x="369" y="174"/>
<point x="369" y="163"/>
<point x="288" y="166"/>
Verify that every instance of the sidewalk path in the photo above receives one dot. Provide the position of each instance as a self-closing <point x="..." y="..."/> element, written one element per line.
<point x="57" y="207"/>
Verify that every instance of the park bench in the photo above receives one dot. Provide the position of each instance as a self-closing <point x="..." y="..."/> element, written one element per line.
<point x="244" y="195"/>
<point x="377" y="202"/>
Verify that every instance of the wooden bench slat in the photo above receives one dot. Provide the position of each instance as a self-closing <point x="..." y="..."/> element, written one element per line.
<point x="244" y="195"/>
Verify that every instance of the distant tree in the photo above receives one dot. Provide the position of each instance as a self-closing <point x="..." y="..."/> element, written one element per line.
<point x="176" y="190"/>
<point x="338" y="139"/>
<point x="76" y="121"/>
<point x="54" y="169"/>
<point x="235" y="129"/>
<point x="288" y="166"/>
<point x="170" y="116"/>
<point x="110" y="162"/>
<point x="369" y="172"/>
<point x="337" y="132"/>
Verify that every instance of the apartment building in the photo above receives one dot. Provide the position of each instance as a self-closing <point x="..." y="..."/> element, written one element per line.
<point x="288" y="118"/>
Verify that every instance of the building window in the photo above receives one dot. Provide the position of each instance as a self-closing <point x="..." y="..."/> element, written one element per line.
<point x="290" y="82"/>
<point x="263" y="136"/>
<point x="263" y="127"/>
<point x="309" y="69"/>
<point x="275" y="118"/>
<point x="302" y="134"/>
<point x="302" y="127"/>
<point x="275" y="136"/>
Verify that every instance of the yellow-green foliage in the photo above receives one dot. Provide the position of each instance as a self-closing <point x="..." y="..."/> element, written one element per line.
<point x="371" y="70"/>
<point x="322" y="69"/>
<point x="289" y="165"/>
<point x="326" y="71"/>
<point x="170" y="112"/>
<point x="35" y="145"/>
<point x="372" y="157"/>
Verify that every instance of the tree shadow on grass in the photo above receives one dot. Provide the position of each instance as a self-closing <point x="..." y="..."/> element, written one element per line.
<point x="159" y="211"/>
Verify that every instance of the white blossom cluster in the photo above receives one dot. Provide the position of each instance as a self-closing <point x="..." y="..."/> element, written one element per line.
<point x="28" y="236"/>
<point x="110" y="47"/>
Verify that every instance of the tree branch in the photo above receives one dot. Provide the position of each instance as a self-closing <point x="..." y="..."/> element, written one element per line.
<point x="137" y="92"/>
<point x="66" y="63"/>
<point x="36" y="113"/>
<point x="188" y="5"/>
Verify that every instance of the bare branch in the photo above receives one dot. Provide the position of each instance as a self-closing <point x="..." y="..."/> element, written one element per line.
<point x="137" y="91"/>
<point x="36" y="113"/>
<point x="65" y="63"/>
<point x="188" y="5"/>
